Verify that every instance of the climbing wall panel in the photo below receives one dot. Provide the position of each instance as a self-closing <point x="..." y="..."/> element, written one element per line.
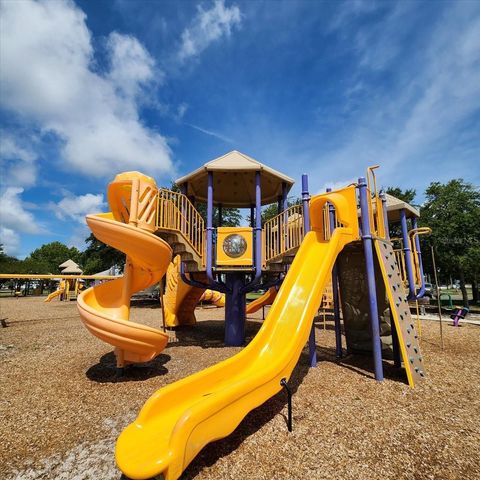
<point x="402" y="319"/>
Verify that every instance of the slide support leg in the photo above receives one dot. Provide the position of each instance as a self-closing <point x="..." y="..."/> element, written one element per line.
<point x="284" y="384"/>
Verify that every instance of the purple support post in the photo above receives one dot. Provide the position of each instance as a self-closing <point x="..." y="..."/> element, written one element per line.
<point x="257" y="253"/>
<point x="408" y="254"/>
<point x="252" y="216"/>
<point x="372" y="291"/>
<point x="235" y="310"/>
<point x="285" y="217"/>
<point x="336" y="297"/>
<point x="421" y="292"/>
<point x="210" y="228"/>
<point x="385" y="215"/>
<point x="312" y="344"/>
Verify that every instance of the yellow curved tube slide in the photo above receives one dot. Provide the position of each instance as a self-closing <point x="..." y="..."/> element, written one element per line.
<point x="105" y="308"/>
<point x="180" y="299"/>
<point x="181" y="418"/>
<point x="212" y="296"/>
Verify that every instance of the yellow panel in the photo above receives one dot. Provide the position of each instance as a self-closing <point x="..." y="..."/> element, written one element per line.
<point x="223" y="260"/>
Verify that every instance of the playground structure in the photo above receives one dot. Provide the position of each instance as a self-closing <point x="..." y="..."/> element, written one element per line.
<point x="297" y="250"/>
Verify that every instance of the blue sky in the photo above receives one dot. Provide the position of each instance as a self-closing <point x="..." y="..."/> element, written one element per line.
<point x="90" y="89"/>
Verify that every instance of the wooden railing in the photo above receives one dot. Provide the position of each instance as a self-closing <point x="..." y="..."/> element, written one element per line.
<point x="176" y="213"/>
<point x="284" y="232"/>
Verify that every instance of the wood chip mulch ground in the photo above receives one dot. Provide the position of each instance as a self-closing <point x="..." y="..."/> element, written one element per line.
<point x="61" y="407"/>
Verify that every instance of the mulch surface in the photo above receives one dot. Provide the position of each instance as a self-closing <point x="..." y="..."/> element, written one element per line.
<point x="62" y="408"/>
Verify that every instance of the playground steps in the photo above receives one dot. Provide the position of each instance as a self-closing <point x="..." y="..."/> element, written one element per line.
<point x="402" y="319"/>
<point x="192" y="261"/>
<point x="277" y="264"/>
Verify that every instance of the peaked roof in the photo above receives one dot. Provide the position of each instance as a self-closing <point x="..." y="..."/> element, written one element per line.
<point x="68" y="263"/>
<point x="72" y="269"/>
<point x="234" y="181"/>
<point x="394" y="205"/>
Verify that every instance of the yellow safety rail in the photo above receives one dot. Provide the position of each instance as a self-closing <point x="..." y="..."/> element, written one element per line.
<point x="177" y="214"/>
<point x="375" y="208"/>
<point x="284" y="232"/>
<point x="413" y="245"/>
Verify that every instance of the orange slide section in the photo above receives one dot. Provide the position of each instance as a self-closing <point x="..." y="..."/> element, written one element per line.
<point x="266" y="299"/>
<point x="180" y="299"/>
<point x="105" y="309"/>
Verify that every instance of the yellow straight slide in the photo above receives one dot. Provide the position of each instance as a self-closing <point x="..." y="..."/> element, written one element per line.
<point x="266" y="299"/>
<point x="56" y="293"/>
<point x="181" y="418"/>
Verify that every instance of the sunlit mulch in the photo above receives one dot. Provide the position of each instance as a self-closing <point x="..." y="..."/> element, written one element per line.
<point x="62" y="408"/>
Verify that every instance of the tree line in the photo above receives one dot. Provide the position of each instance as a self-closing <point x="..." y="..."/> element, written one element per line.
<point x="451" y="210"/>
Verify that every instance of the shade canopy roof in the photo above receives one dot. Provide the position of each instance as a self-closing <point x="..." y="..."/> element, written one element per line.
<point x="234" y="181"/>
<point x="68" y="263"/>
<point x="72" y="270"/>
<point x="394" y="205"/>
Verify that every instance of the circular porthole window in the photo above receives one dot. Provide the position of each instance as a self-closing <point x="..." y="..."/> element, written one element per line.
<point x="234" y="245"/>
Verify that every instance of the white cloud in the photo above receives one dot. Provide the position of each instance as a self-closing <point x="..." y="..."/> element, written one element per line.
<point x="10" y="241"/>
<point x="76" y="207"/>
<point x="131" y="65"/>
<point x="17" y="162"/>
<point x="412" y="128"/>
<point x="47" y="77"/>
<point x="13" y="214"/>
<point x="211" y="133"/>
<point x="207" y="27"/>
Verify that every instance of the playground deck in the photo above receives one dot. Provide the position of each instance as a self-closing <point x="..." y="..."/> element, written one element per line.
<point x="62" y="409"/>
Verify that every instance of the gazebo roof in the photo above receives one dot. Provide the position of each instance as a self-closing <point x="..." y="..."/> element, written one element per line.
<point x="73" y="269"/>
<point x="234" y="181"/>
<point x="68" y="263"/>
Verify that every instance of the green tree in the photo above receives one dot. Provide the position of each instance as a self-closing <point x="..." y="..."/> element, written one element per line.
<point x="452" y="211"/>
<point x="231" y="217"/>
<point x="51" y="255"/>
<point x="98" y="257"/>
<point x="271" y="210"/>
<point x="407" y="195"/>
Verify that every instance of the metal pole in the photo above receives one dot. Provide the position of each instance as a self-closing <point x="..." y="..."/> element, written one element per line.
<point x="385" y="215"/>
<point x="370" y="268"/>
<point x="336" y="297"/>
<point x="312" y="346"/>
<point x="210" y="227"/>
<point x="421" y="292"/>
<point x="408" y="254"/>
<point x="284" y="229"/>
<point x="258" y="227"/>
<point x="438" y="296"/>
<point x="252" y="216"/>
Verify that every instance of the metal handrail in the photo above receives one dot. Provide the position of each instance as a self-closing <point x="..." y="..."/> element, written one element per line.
<point x="177" y="213"/>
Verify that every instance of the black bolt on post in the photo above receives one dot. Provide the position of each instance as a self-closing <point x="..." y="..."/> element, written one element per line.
<point x="284" y="384"/>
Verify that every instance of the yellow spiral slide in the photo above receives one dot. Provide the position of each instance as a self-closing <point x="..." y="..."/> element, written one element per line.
<point x="181" y="418"/>
<point x="105" y="308"/>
